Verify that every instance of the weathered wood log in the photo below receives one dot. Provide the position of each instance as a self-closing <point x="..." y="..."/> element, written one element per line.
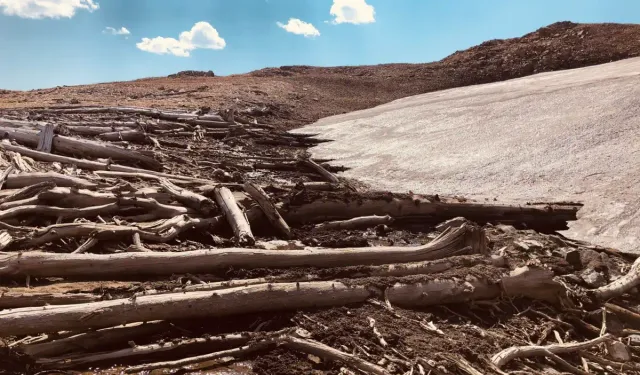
<point x="79" y="198"/>
<point x="88" y="244"/>
<point x="90" y="265"/>
<point x="5" y="174"/>
<point x="269" y="209"/>
<point x="236" y="218"/>
<point x="188" y="198"/>
<point x="509" y="354"/>
<point x="541" y="218"/>
<point x="124" y="135"/>
<point x="193" y="344"/>
<point x="330" y="177"/>
<point x="83" y="147"/>
<point x="358" y="222"/>
<point x="93" y="165"/>
<point x="145" y="175"/>
<point x="21" y="180"/>
<point x="94" y="340"/>
<point x="11" y="300"/>
<point x="5" y="239"/>
<point x="45" y="143"/>
<point x="621" y="285"/>
<point x="95" y="130"/>
<point x="28" y="192"/>
<point x="252" y="299"/>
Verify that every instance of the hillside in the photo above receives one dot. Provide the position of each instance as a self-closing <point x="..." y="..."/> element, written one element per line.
<point x="302" y="94"/>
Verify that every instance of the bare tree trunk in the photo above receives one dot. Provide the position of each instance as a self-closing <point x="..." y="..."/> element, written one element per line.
<point x="358" y="222"/>
<point x="46" y="139"/>
<point x="21" y="180"/>
<point x="90" y="265"/>
<point x="12" y="300"/>
<point x="330" y="177"/>
<point x="236" y="218"/>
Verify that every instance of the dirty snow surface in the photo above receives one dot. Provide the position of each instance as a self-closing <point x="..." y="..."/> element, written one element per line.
<point x="563" y="136"/>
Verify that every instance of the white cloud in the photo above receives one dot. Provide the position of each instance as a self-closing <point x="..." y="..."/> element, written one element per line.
<point x="201" y="35"/>
<point x="37" y="9"/>
<point x="353" y="11"/>
<point x="298" y="27"/>
<point x="121" y="31"/>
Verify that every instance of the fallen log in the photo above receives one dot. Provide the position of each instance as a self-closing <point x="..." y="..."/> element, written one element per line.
<point x="541" y="218"/>
<point x="124" y="135"/>
<point x="69" y="197"/>
<point x="11" y="300"/>
<point x="94" y="340"/>
<point x="268" y="208"/>
<point x="252" y="299"/>
<point x="236" y="218"/>
<point x="28" y="192"/>
<point x="5" y="174"/>
<point x="22" y="180"/>
<point x="91" y="265"/>
<point x="330" y="177"/>
<point x="190" y="199"/>
<point x="83" y="147"/>
<point x="94" y="165"/>
<point x="358" y="222"/>
<point x="509" y="354"/>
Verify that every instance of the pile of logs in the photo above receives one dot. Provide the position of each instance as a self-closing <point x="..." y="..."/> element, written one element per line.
<point x="79" y="205"/>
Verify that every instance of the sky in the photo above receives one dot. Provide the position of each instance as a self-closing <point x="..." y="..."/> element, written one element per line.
<point x="48" y="43"/>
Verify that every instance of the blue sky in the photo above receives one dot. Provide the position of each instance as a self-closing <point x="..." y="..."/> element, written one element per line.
<point x="45" y="43"/>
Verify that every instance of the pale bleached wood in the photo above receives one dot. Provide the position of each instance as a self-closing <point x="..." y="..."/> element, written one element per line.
<point x="268" y="208"/>
<point x="21" y="180"/>
<point x="236" y="218"/>
<point x="358" y="222"/>
<point x="124" y="135"/>
<point x="509" y="354"/>
<point x="5" y="174"/>
<point x="94" y="340"/>
<point x="330" y="177"/>
<point x="83" y="147"/>
<point x="190" y="199"/>
<point x="94" y="165"/>
<point x="534" y="217"/>
<point x="28" y="192"/>
<point x="78" y="198"/>
<point x="621" y="285"/>
<point x="251" y="299"/>
<point x="5" y="239"/>
<point x="45" y="142"/>
<point x="79" y="265"/>
<point x="88" y="244"/>
<point x="11" y="300"/>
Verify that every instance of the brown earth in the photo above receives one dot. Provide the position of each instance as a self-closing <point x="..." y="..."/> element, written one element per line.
<point x="295" y="95"/>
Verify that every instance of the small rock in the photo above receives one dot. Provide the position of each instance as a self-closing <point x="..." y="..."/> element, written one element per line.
<point x="618" y="351"/>
<point x="506" y="228"/>
<point x="522" y="245"/>
<point x="593" y="278"/>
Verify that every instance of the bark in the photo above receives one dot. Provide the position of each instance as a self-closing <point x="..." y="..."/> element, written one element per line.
<point x="190" y="199"/>
<point x="358" y="222"/>
<point x="12" y="300"/>
<point x="620" y="286"/>
<point x="92" y="165"/>
<point x="83" y="147"/>
<point x="94" y="340"/>
<point x="46" y="139"/>
<point x="252" y="299"/>
<point x="236" y="218"/>
<point x="330" y="177"/>
<point x="268" y="208"/>
<point x="509" y="354"/>
<point x="553" y="217"/>
<point x="22" y="180"/>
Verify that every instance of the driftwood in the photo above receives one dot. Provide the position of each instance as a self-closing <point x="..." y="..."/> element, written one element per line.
<point x="5" y="174"/>
<point x="94" y="129"/>
<point x="236" y="218"/>
<point x="46" y="138"/>
<point x="22" y="180"/>
<point x="252" y="299"/>
<point x="543" y="218"/>
<point x="125" y="135"/>
<point x="268" y="208"/>
<point x="95" y="165"/>
<point x="509" y="354"/>
<point x="190" y="199"/>
<point x="10" y="300"/>
<point x="620" y="286"/>
<point x="358" y="222"/>
<point x="447" y="244"/>
<point x="330" y="177"/>
<point x="72" y="146"/>
<point x="69" y="197"/>
<point x="5" y="239"/>
<point x="94" y="340"/>
<point x="28" y="192"/>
